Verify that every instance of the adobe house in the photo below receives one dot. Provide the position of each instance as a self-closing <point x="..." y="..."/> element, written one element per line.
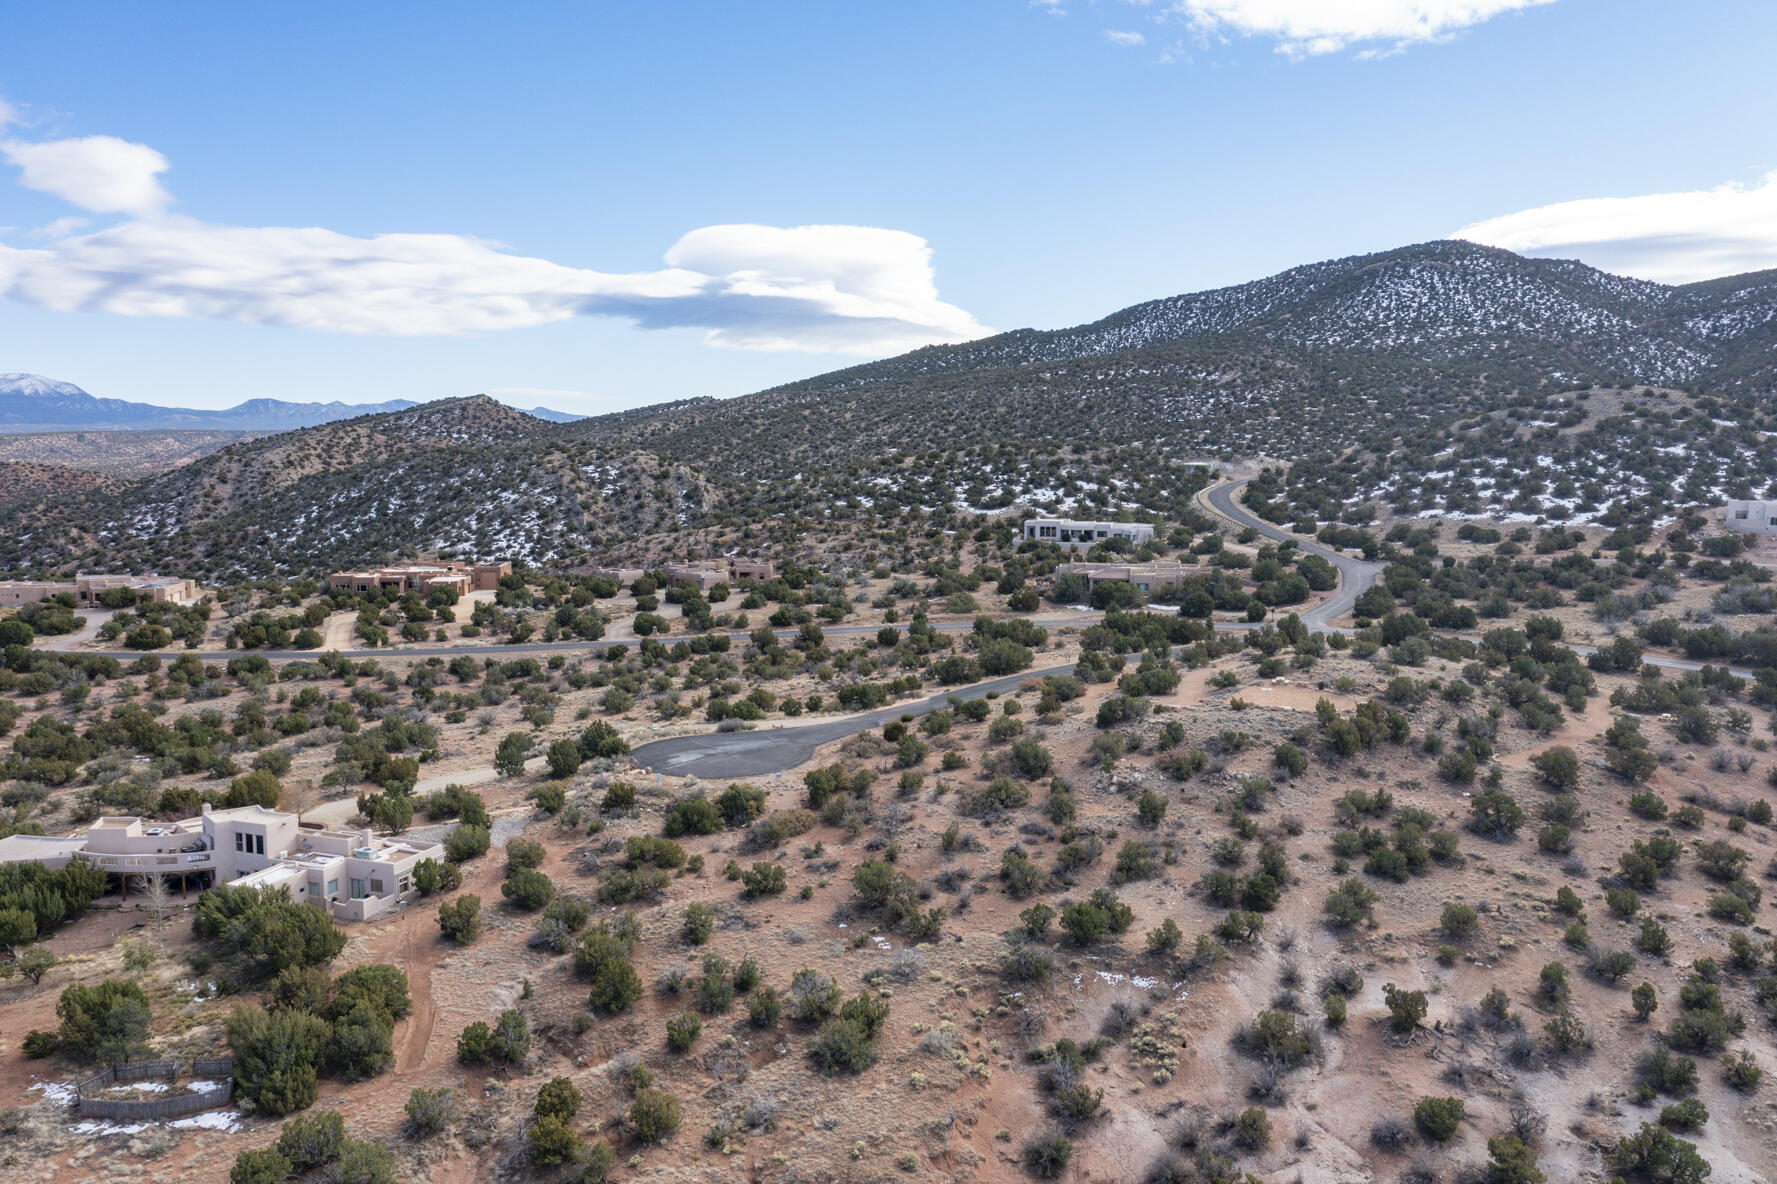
<point x="1147" y="577"/>
<point x="87" y="587"/>
<point x="352" y="874"/>
<point x="421" y="578"/>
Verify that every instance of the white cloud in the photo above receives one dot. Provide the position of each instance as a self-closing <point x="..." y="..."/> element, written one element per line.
<point x="1305" y="28"/>
<point x="1670" y="237"/>
<point x="1120" y="37"/>
<point x="61" y="227"/>
<point x="827" y="289"/>
<point x="8" y="114"/>
<point x="99" y="173"/>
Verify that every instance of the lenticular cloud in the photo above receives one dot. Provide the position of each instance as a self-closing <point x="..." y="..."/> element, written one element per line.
<point x="1673" y="238"/>
<point x="831" y="289"/>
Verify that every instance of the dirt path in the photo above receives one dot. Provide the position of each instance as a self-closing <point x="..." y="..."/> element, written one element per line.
<point x="1574" y="731"/>
<point x="419" y="986"/>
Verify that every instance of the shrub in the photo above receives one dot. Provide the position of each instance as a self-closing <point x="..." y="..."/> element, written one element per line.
<point x="683" y="1030"/>
<point x="1088" y="922"/>
<point x="1558" y="767"/>
<point x="276" y="1058"/>
<point x="764" y="879"/>
<point x="813" y="996"/>
<point x="1657" y="1156"/>
<point x="692" y="816"/>
<point x="1740" y="1071"/>
<point x="1458" y="921"/>
<point x="1438" y="1118"/>
<point x="430" y="1110"/>
<point x="1252" y="1129"/>
<point x="552" y="1140"/>
<point x="1511" y="1161"/>
<point x="312" y="1140"/>
<point x="511" y="1037"/>
<point x="1275" y="1035"/>
<point x="361" y="1044"/>
<point x="466" y="842"/>
<point x="699" y="923"/>
<point x="1349" y="903"/>
<point x="260" y="1166"/>
<point x="559" y="1098"/>
<point x="604" y="958"/>
<point x="1495" y="814"/>
<point x="528" y="889"/>
<point x="460" y="920"/>
<point x="1405" y="1008"/>
<point x="654" y="1115"/>
<point x="764" y="1007"/>
<point x="108" y="1021"/>
<point x="778" y="828"/>
<point x="843" y="1046"/>
<point x="1688" y="1115"/>
<point x="360" y="1162"/>
<point x="1047" y="1155"/>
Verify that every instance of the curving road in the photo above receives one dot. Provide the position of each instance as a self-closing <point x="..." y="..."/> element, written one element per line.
<point x="1355" y="575"/>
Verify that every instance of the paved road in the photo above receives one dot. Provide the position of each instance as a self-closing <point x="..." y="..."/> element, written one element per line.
<point x="91" y="621"/>
<point x="1355" y="575"/>
<point x="1077" y="617"/>
<point x="772" y="750"/>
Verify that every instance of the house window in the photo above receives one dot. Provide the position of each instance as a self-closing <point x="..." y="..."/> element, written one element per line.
<point x="376" y="886"/>
<point x="358" y="892"/>
<point x="240" y="841"/>
<point x="1739" y="513"/>
<point x="332" y="887"/>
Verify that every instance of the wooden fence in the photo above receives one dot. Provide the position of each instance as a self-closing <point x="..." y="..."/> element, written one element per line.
<point x="170" y="1105"/>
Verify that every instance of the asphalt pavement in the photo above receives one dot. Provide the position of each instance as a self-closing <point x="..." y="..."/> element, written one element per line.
<point x="1355" y="575"/>
<point x="772" y="750"/>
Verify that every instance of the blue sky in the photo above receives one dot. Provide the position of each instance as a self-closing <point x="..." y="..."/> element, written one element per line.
<point x="1059" y="161"/>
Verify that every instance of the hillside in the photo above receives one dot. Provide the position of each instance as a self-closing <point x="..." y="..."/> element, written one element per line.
<point x="1465" y="364"/>
<point x="466" y="475"/>
<point x="1360" y="351"/>
<point x="122" y="453"/>
<point x="25" y="481"/>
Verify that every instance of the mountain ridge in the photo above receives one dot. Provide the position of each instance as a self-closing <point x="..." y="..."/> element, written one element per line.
<point x="1436" y="351"/>
<point x="34" y="403"/>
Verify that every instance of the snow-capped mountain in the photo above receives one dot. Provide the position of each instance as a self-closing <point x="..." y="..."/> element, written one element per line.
<point x="30" y="402"/>
<point x="33" y="403"/>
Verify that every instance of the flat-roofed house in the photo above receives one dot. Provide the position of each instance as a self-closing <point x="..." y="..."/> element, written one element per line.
<point x="1077" y="535"/>
<point x="87" y="587"/>
<point x="1754" y="517"/>
<point x="1147" y="577"/>
<point x="353" y="874"/>
<point x="421" y="578"/>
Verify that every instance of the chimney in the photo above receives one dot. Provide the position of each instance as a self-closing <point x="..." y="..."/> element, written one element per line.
<point x="364" y="836"/>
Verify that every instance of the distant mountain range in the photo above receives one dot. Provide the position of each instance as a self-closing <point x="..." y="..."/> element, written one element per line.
<point x="32" y="403"/>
